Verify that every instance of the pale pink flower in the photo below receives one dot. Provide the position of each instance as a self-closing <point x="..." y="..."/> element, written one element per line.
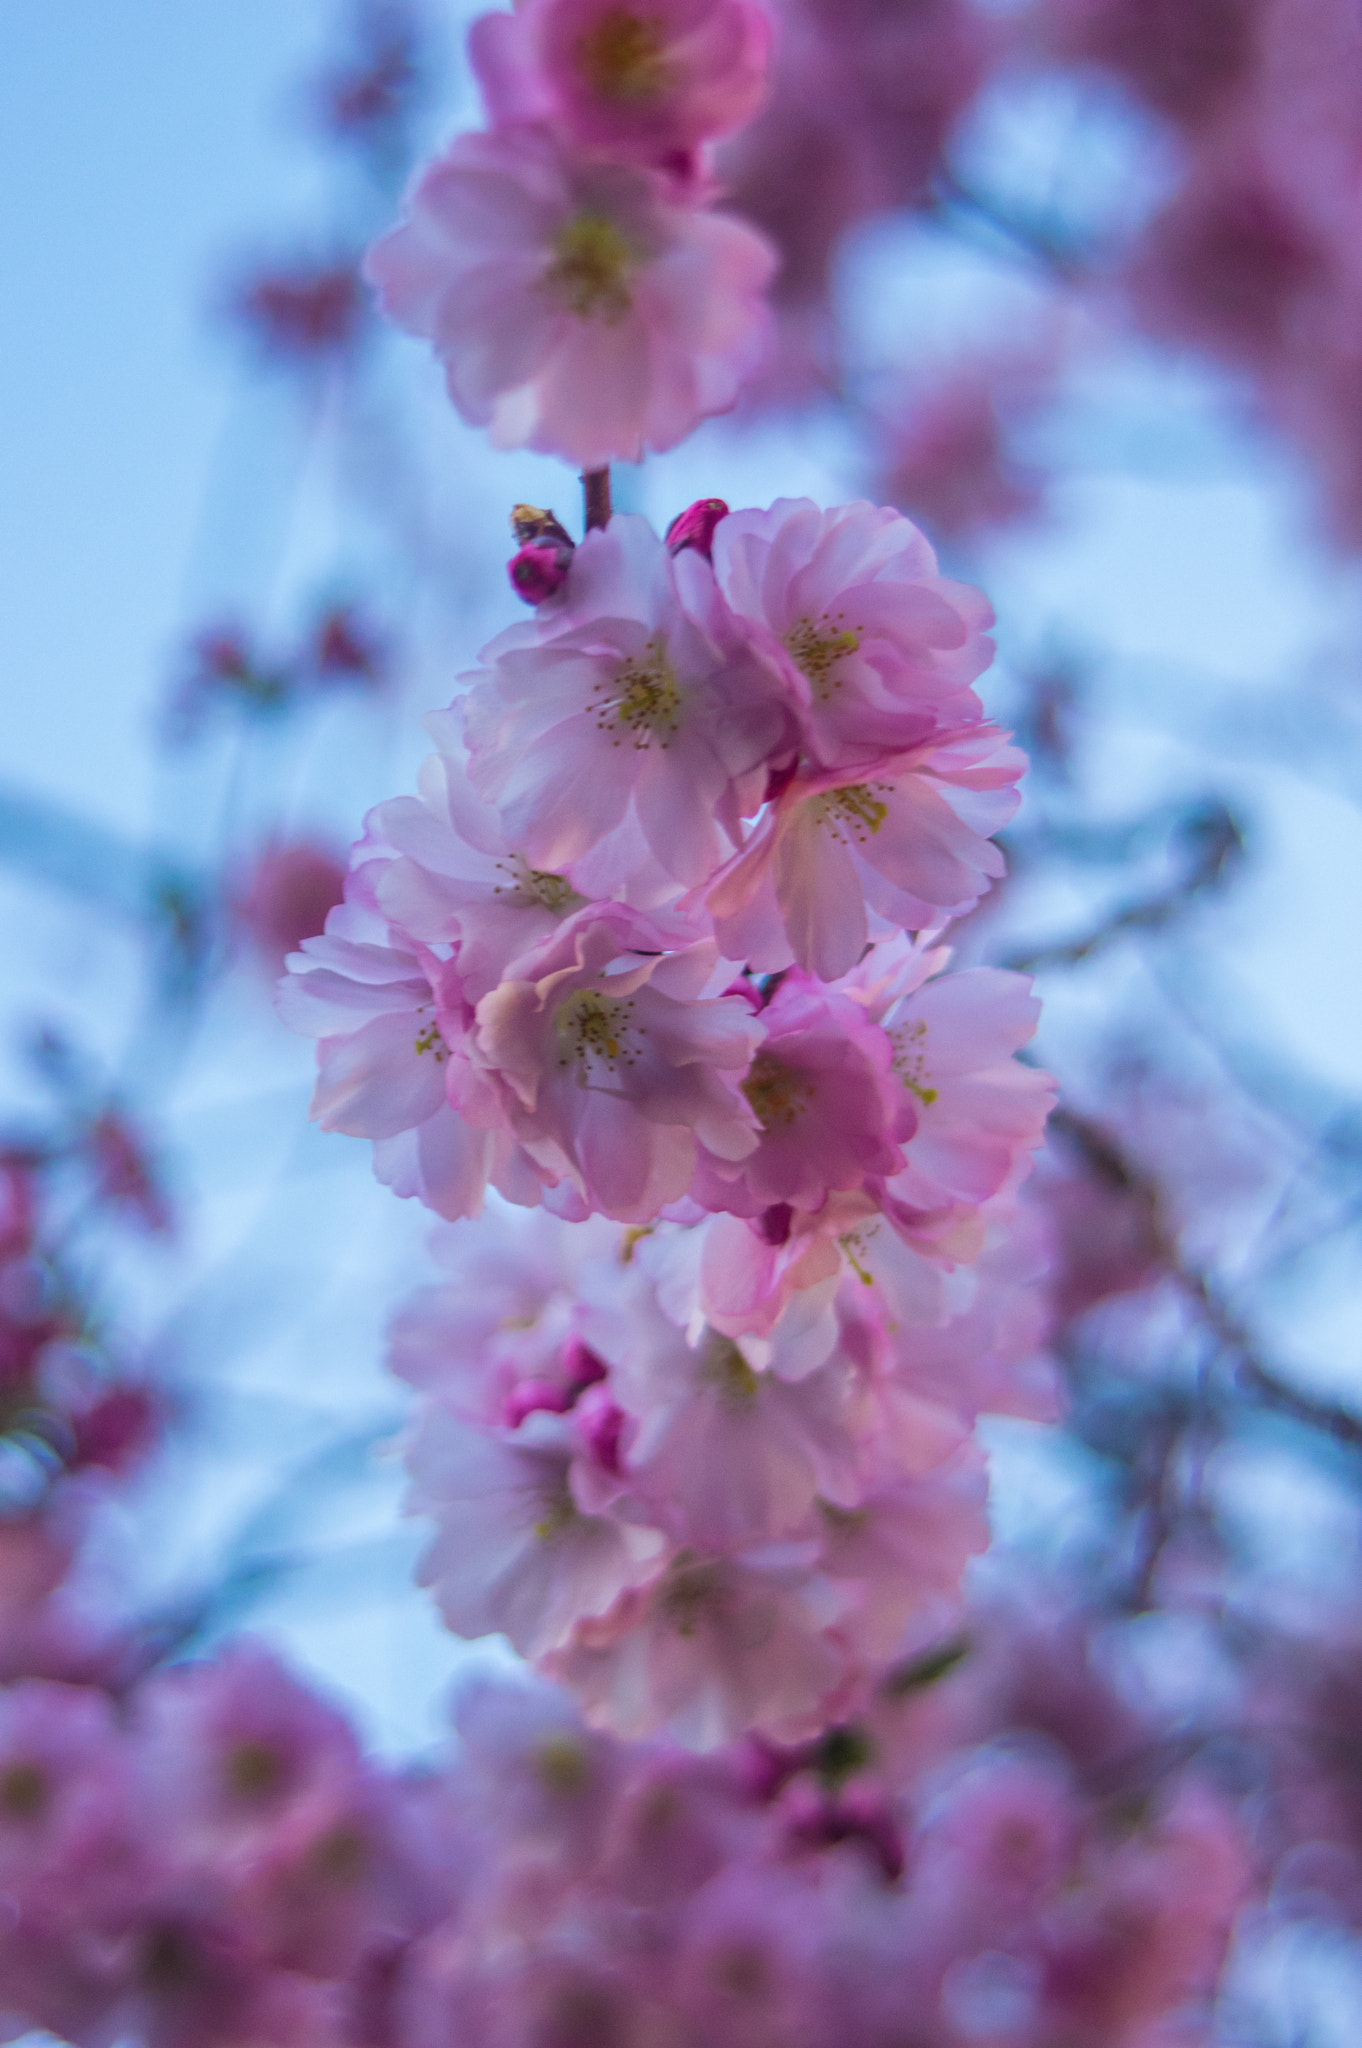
<point x="1145" y="1939"/>
<point x="903" y="1546"/>
<point x="75" y="1862"/>
<point x="501" y="1336"/>
<point x="633" y="704"/>
<point x="514" y="1552"/>
<point x="268" y="1814"/>
<point x="877" y="648"/>
<point x="393" y="1024"/>
<point x="455" y="883"/>
<point x="711" y="1648"/>
<point x="832" y="1111"/>
<point x="577" y="307"/>
<point x="979" y="1111"/>
<point x="609" y="1079"/>
<point x="905" y="834"/>
<point x="650" y="80"/>
<point x="722" y="1453"/>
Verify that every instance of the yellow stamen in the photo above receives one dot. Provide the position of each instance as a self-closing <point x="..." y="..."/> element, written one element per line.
<point x="589" y="273"/>
<point x="622" y="58"/>
<point x="816" y="647"/>
<point x="777" y="1094"/>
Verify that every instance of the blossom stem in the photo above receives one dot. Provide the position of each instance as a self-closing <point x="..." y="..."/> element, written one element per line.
<point x="596" y="490"/>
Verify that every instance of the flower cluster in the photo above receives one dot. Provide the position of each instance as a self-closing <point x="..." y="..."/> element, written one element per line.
<point x="639" y="951"/>
<point x="211" y="1860"/>
<point x="582" y="293"/>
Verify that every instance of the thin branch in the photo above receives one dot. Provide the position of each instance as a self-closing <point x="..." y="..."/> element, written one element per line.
<point x="596" y="491"/>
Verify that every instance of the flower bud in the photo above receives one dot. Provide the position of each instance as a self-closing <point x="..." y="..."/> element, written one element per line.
<point x="539" y="570"/>
<point x="694" y="528"/>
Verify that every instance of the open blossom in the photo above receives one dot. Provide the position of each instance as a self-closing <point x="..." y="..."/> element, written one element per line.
<point x="710" y="1648"/>
<point x="515" y="1551"/>
<point x="605" y="1076"/>
<point x="635" y="708"/>
<point x="719" y="1453"/>
<point x="576" y="306"/>
<point x="831" y="1109"/>
<point x="979" y="1111"/>
<point x="877" y="648"/>
<point x="907" y="837"/>
<point x="650" y="81"/>
<point x="393" y="1028"/>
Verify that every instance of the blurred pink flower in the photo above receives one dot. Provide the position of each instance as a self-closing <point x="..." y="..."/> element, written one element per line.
<point x="577" y="307"/>
<point x="286" y="898"/>
<point x="948" y="460"/>
<point x="651" y="80"/>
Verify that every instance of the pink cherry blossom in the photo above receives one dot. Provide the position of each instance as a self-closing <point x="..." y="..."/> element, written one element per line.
<point x="393" y="1027"/>
<point x="907" y="837"/>
<point x="831" y="1111"/>
<point x="607" y="1078"/>
<point x="877" y="648"/>
<point x="980" y="1112"/>
<point x="723" y="1455"/>
<point x="514" y="1551"/>
<point x="649" y="80"/>
<point x="710" y="1648"/>
<point x="576" y="306"/>
<point x="635" y="707"/>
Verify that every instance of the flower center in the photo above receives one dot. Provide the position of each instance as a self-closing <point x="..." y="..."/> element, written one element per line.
<point x="563" y="1765"/>
<point x="691" y="1588"/>
<point x="723" y="1367"/>
<point x="24" y="1790"/>
<point x="910" y="1061"/>
<point x="621" y="58"/>
<point x="776" y="1092"/>
<point x="541" y="886"/>
<point x="594" y="1029"/>
<point x="816" y="647"/>
<point x="642" y="699"/>
<point x="558" y="1511"/>
<point x="590" y="269"/>
<point x="428" y="1038"/>
<point x="854" y="812"/>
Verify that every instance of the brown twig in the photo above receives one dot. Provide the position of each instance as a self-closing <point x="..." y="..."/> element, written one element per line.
<point x="596" y="491"/>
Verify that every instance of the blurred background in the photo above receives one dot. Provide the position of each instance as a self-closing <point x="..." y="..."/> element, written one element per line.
<point x="1077" y="285"/>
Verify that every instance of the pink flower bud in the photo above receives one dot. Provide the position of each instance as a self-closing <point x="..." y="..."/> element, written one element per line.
<point x="539" y="571"/>
<point x="694" y="528"/>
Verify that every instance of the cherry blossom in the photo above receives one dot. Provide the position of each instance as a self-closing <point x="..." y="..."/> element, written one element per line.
<point x="877" y="648"/>
<point x="650" y="81"/>
<point x="635" y="707"/>
<point x="605" y="1076"/>
<point x="905" y="839"/>
<point x="576" y="305"/>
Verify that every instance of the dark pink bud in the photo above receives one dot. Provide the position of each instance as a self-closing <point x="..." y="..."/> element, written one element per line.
<point x="694" y="528"/>
<point x="773" y="1224"/>
<point x="539" y="571"/>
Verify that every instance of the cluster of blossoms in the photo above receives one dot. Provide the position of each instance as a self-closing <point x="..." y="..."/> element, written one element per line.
<point x="207" y="1859"/>
<point x="581" y="290"/>
<point x="640" y="952"/>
